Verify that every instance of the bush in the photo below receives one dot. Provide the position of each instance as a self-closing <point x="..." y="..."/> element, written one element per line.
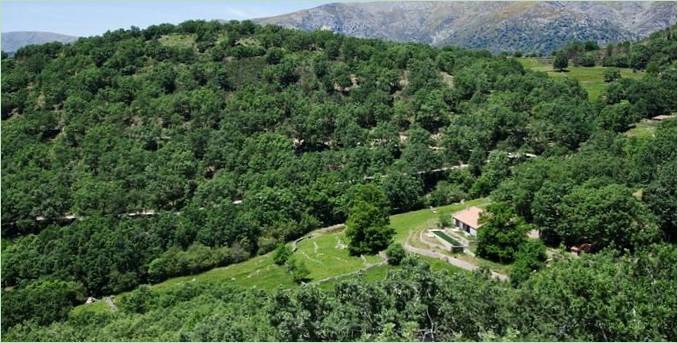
<point x="298" y="270"/>
<point x="138" y="301"/>
<point x="282" y="254"/>
<point x="197" y="258"/>
<point x="395" y="254"/>
<point x="586" y="60"/>
<point x="560" y="62"/>
<point x="611" y="74"/>
<point x="444" y="220"/>
<point x="530" y="258"/>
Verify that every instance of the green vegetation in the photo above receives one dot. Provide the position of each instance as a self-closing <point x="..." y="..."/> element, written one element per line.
<point x="502" y="233"/>
<point x="560" y="62"/>
<point x="401" y="305"/>
<point x="367" y="229"/>
<point x="531" y="257"/>
<point x="395" y="254"/>
<point x="188" y="153"/>
<point x="281" y="254"/>
<point x="592" y="79"/>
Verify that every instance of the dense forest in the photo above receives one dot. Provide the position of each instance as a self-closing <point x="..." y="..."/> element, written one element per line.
<point x="139" y="155"/>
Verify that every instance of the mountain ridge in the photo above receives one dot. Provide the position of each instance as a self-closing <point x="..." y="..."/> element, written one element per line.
<point x="15" y="40"/>
<point x="494" y="25"/>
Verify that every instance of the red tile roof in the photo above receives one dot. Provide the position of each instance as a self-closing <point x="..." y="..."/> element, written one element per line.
<point x="469" y="216"/>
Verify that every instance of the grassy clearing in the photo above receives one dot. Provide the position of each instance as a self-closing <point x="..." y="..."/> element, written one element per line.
<point x="95" y="308"/>
<point x="178" y="41"/>
<point x="404" y="223"/>
<point x="258" y="272"/>
<point x="324" y="254"/>
<point x="590" y="78"/>
<point x="643" y="129"/>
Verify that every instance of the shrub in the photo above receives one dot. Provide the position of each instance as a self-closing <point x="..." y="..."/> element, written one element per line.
<point x="611" y="74"/>
<point x="395" y="254"/>
<point x="530" y="258"/>
<point x="282" y="254"/>
<point x="298" y="270"/>
<point x="444" y="220"/>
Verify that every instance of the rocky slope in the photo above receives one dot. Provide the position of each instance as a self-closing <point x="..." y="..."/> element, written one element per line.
<point x="13" y="41"/>
<point x="497" y="26"/>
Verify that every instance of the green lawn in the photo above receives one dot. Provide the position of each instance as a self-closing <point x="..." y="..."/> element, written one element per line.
<point x="404" y="223"/>
<point x="590" y="78"/>
<point x="326" y="255"/>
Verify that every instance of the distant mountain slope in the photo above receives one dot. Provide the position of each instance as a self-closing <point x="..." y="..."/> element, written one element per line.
<point x="497" y="26"/>
<point x="13" y="41"/>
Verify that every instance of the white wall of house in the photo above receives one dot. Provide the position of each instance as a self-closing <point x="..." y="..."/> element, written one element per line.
<point x="473" y="231"/>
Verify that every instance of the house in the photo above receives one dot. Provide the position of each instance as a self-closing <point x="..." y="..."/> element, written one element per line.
<point x="467" y="220"/>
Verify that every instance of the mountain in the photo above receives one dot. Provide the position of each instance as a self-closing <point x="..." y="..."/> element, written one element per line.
<point x="497" y="26"/>
<point x="13" y="41"/>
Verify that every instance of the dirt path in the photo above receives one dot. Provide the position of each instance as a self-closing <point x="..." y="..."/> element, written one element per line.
<point x="326" y="229"/>
<point x="449" y="259"/>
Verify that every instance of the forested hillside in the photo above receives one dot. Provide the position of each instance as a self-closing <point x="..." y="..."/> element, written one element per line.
<point x="139" y="155"/>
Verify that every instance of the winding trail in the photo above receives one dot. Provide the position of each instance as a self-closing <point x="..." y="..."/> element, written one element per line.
<point x="69" y="218"/>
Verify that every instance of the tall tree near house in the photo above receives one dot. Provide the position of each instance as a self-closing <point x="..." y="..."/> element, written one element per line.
<point x="502" y="233"/>
<point x="367" y="229"/>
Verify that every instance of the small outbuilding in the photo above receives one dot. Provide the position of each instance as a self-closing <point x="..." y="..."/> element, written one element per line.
<point x="663" y="117"/>
<point x="467" y="220"/>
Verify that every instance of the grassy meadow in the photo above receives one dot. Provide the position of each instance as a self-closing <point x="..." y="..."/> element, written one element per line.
<point x="591" y="78"/>
<point x="324" y="254"/>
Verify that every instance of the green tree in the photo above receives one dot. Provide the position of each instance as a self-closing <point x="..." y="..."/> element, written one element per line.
<point x="617" y="117"/>
<point x="502" y="233"/>
<point x="281" y="254"/>
<point x="606" y="216"/>
<point x="660" y="197"/>
<point x="395" y="254"/>
<point x="530" y="258"/>
<point x="560" y="62"/>
<point x="367" y="229"/>
<point x="611" y="74"/>
<point x="42" y="301"/>
<point x="402" y="190"/>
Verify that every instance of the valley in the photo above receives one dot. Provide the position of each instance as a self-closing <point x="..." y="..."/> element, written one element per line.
<point x="234" y="181"/>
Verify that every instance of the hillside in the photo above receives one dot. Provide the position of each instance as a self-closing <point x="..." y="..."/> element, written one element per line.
<point x="531" y="27"/>
<point x="13" y="41"/>
<point x="172" y="165"/>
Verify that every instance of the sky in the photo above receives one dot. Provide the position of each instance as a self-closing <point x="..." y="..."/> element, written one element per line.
<point x="94" y="17"/>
